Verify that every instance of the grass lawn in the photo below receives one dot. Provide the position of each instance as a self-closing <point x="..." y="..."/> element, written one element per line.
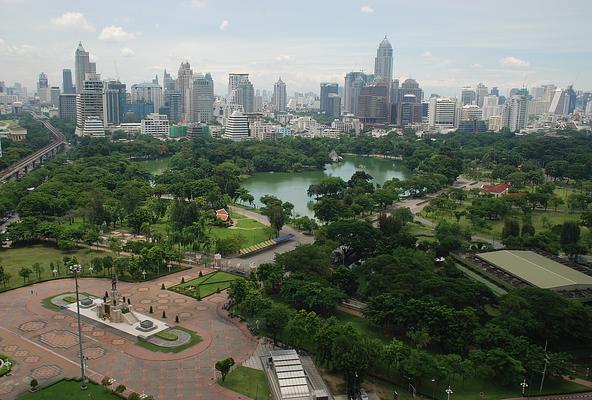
<point x="363" y="326"/>
<point x="206" y="285"/>
<point x="249" y="382"/>
<point x="46" y="302"/>
<point x="15" y="258"/>
<point x="195" y="339"/>
<point x="70" y="389"/>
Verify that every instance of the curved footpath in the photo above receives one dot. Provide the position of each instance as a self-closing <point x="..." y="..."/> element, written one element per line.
<point x="44" y="343"/>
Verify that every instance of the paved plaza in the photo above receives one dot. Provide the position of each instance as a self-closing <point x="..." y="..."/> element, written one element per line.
<point x="44" y="343"/>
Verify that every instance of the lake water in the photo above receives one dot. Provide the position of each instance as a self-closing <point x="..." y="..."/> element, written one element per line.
<point x="292" y="186"/>
<point x="157" y="166"/>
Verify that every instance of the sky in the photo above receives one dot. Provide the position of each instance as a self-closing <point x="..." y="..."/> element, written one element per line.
<point x="443" y="44"/>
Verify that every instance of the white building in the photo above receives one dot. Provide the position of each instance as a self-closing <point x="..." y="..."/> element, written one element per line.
<point x="442" y="113"/>
<point x="155" y="125"/>
<point x="494" y="123"/>
<point x="560" y="103"/>
<point x="515" y="113"/>
<point x="471" y="112"/>
<point x="93" y="127"/>
<point x="481" y="91"/>
<point x="491" y="107"/>
<point x="147" y="92"/>
<point x="280" y="98"/>
<point x="237" y="126"/>
<point x="202" y="98"/>
<point x="89" y="106"/>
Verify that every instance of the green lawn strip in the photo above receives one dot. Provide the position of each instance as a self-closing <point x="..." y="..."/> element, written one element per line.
<point x="46" y="302"/>
<point x="70" y="389"/>
<point x="14" y="259"/>
<point x="166" y="335"/>
<point x="363" y="326"/>
<point x="206" y="285"/>
<point x="247" y="237"/>
<point x="195" y="339"/>
<point x="249" y="382"/>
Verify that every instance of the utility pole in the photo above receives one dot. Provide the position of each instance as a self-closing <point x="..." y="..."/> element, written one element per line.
<point x="524" y="386"/>
<point x="76" y="269"/>
<point x="545" y="368"/>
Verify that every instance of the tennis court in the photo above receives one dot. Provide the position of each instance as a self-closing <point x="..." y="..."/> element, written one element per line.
<point x="537" y="270"/>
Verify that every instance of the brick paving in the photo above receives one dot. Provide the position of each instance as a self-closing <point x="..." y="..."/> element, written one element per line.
<point x="44" y="343"/>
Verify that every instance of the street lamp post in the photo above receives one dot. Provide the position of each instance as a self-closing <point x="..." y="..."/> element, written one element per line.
<point x="433" y="388"/>
<point x="449" y="392"/>
<point x="76" y="269"/>
<point x="144" y="273"/>
<point x="55" y="273"/>
<point x="524" y="386"/>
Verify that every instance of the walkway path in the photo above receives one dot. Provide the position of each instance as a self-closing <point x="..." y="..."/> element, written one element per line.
<point x="44" y="343"/>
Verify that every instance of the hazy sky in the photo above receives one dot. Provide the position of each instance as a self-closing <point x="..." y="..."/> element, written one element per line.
<point x="444" y="44"/>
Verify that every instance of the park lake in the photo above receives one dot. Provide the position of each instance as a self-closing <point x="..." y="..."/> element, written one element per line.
<point x="292" y="186"/>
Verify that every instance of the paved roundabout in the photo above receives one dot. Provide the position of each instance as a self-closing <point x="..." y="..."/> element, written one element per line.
<point x="44" y="343"/>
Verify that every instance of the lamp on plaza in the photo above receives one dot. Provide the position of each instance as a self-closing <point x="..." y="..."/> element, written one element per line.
<point x="76" y="269"/>
<point x="524" y="386"/>
<point x="169" y="267"/>
<point x="198" y="258"/>
<point x="55" y="273"/>
<point x="91" y="269"/>
<point x="449" y="392"/>
<point x="433" y="388"/>
<point x="144" y="274"/>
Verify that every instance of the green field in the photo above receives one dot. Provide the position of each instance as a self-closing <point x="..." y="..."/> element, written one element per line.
<point x="15" y="258"/>
<point x="249" y="382"/>
<point x="195" y="339"/>
<point x="70" y="389"/>
<point x="248" y="230"/>
<point x="363" y="326"/>
<point x="206" y="285"/>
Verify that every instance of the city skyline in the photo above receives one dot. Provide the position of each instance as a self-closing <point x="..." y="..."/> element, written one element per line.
<point x="444" y="47"/>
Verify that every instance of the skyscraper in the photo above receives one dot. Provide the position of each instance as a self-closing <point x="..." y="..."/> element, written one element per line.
<point x="184" y="81"/>
<point x="280" y="97"/>
<point x="560" y="103"/>
<point x="326" y="89"/>
<point x="244" y="95"/>
<point x="442" y="112"/>
<point x="202" y="99"/>
<point x="383" y="63"/>
<point x="515" y="113"/>
<point x="67" y="86"/>
<point x="354" y="82"/>
<point x="82" y="66"/>
<point x="234" y="80"/>
<point x="43" y="88"/>
<point x="481" y="92"/>
<point x="147" y="92"/>
<point x="468" y="95"/>
<point x="373" y="104"/>
<point x="114" y="102"/>
<point x="89" y="107"/>
<point x="168" y="83"/>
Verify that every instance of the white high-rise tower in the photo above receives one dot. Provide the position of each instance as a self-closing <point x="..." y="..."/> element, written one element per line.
<point x="280" y="98"/>
<point x="383" y="63"/>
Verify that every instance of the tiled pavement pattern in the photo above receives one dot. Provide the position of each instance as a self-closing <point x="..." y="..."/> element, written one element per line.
<point x="44" y="343"/>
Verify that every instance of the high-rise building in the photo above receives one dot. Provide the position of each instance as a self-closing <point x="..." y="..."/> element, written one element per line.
<point x="67" y="86"/>
<point x="173" y="105"/>
<point x="280" y="97"/>
<point x="494" y="91"/>
<point x="67" y="107"/>
<point x="572" y="98"/>
<point x="491" y="106"/>
<point x="43" y="88"/>
<point x="114" y="98"/>
<point x="354" y="82"/>
<point x="82" y="66"/>
<point x="243" y="93"/>
<point x="373" y="103"/>
<point x="234" y="81"/>
<point x="334" y="105"/>
<point x="560" y="103"/>
<point x="410" y="86"/>
<point x="409" y="110"/>
<point x="481" y="92"/>
<point x="471" y="112"/>
<point x="54" y="96"/>
<point x="237" y="126"/>
<point x="468" y="95"/>
<point x="168" y="83"/>
<point x="184" y="82"/>
<point x="326" y="89"/>
<point x="89" y="107"/>
<point x="202" y="99"/>
<point x="515" y="113"/>
<point x="147" y="92"/>
<point x="442" y="112"/>
<point x="155" y="125"/>
<point x="383" y="63"/>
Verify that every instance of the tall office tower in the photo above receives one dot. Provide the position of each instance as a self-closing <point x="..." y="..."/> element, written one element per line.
<point x="467" y="95"/>
<point x="494" y="91"/>
<point x="537" y="92"/>
<point x="82" y="66"/>
<point x="244" y="94"/>
<point x="43" y="88"/>
<point x="354" y="82"/>
<point x="184" y="81"/>
<point x="442" y="112"/>
<point x="572" y="98"/>
<point x="471" y="112"/>
<point x="383" y="63"/>
<point x="491" y="106"/>
<point x="114" y="100"/>
<point x="409" y="110"/>
<point x="168" y="83"/>
<point x="560" y="103"/>
<point x="481" y="92"/>
<point x="549" y="92"/>
<point x="54" y="96"/>
<point x="326" y="89"/>
<point x="67" y="86"/>
<point x="280" y="97"/>
<point x="147" y="92"/>
<point x="334" y="105"/>
<point x="235" y="80"/>
<point x="173" y="105"/>
<point x="515" y="113"/>
<point x="202" y="100"/>
<point x="89" y="107"/>
<point x="373" y="104"/>
<point x="2" y="87"/>
<point x="410" y="86"/>
<point x="67" y="107"/>
<point x="237" y="126"/>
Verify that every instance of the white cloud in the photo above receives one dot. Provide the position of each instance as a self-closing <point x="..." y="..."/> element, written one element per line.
<point x="224" y="25"/>
<point x="366" y="9"/>
<point x="198" y="3"/>
<point x="476" y="65"/>
<point x="10" y="50"/>
<point x="513" y="62"/>
<point x="73" y="21"/>
<point x="283" y="57"/>
<point x="127" y="52"/>
<point x="115" y="34"/>
<point x="427" y="54"/>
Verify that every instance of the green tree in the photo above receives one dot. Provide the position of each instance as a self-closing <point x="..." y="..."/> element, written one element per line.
<point x="224" y="366"/>
<point x="274" y="319"/>
<point x="24" y="273"/>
